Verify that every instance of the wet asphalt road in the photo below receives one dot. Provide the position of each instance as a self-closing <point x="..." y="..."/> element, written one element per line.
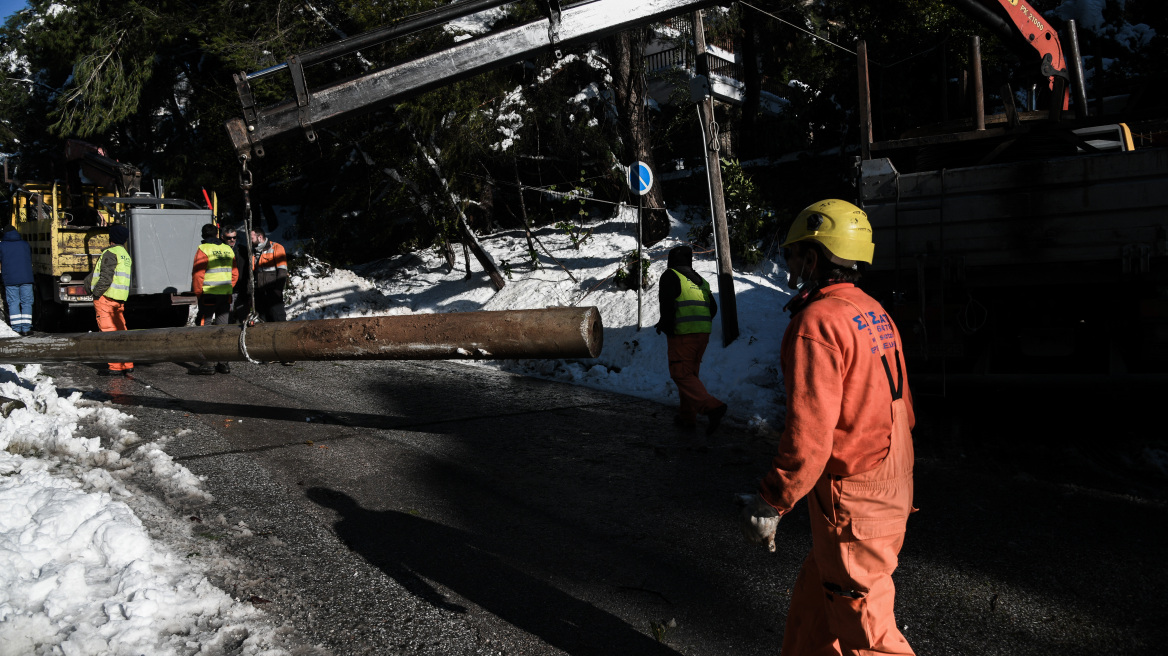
<point x="438" y="508"/>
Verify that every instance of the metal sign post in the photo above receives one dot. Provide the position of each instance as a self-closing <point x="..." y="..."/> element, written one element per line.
<point x="640" y="182"/>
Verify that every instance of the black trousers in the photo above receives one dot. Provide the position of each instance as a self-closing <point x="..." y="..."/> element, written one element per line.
<point x="269" y="307"/>
<point x="214" y="310"/>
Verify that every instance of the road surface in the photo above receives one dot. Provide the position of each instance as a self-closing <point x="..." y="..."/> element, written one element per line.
<point x="443" y="508"/>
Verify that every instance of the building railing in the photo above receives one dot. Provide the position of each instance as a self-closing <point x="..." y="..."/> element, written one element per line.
<point x="674" y="57"/>
<point x="684" y="58"/>
<point x="723" y="67"/>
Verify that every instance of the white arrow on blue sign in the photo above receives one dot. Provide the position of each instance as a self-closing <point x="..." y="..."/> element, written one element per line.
<point x="640" y="178"/>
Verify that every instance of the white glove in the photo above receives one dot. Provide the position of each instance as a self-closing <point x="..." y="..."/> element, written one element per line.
<point x="758" y="521"/>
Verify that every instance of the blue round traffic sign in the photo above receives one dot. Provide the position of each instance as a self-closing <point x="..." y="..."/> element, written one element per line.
<point x="640" y="178"/>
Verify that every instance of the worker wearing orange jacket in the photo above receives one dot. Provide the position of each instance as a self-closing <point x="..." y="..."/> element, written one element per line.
<point x="213" y="277"/>
<point x="846" y="446"/>
<point x="270" y="264"/>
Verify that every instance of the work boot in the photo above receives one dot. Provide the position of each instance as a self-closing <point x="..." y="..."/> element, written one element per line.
<point x="223" y="368"/>
<point x="203" y="370"/>
<point x="287" y="363"/>
<point x="715" y="417"/>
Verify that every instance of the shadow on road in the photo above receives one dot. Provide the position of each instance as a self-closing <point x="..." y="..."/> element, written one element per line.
<point x="118" y="393"/>
<point x="411" y="549"/>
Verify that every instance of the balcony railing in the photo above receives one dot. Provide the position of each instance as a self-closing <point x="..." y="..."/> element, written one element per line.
<point x="674" y="57"/>
<point x="684" y="58"/>
<point x="723" y="67"/>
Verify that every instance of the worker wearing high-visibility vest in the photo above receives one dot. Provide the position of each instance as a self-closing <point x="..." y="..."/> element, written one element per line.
<point x="270" y="267"/>
<point x="213" y="277"/>
<point x="270" y="264"/>
<point x="847" y="445"/>
<point x="110" y="285"/>
<point x="687" y="313"/>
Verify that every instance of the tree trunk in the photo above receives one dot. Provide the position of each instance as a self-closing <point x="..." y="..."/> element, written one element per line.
<point x="448" y="253"/>
<point x="626" y="57"/>
<point x="468" y="237"/>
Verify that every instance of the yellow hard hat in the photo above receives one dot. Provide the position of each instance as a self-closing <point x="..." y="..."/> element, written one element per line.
<point x="842" y="228"/>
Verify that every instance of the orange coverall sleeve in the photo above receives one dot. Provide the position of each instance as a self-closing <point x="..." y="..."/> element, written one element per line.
<point x="813" y="372"/>
<point x="198" y="271"/>
<point x="234" y="271"/>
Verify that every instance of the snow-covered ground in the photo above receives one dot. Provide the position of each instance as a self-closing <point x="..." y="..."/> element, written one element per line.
<point x="744" y="374"/>
<point x="79" y="574"/>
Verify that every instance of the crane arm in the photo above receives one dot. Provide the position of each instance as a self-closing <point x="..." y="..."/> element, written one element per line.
<point x="1040" y="36"/>
<point x="1032" y="26"/>
<point x="580" y="23"/>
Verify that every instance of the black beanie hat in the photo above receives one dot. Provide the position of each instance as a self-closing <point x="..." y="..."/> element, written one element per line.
<point x="119" y="234"/>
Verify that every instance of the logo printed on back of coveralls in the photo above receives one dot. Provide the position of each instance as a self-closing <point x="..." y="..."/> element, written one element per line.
<point x="883" y="339"/>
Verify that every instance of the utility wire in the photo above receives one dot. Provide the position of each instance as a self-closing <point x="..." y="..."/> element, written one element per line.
<point x="829" y="42"/>
<point x="551" y="192"/>
<point x="801" y="29"/>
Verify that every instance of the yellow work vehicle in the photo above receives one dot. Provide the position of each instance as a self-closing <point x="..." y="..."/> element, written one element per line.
<point x="67" y="227"/>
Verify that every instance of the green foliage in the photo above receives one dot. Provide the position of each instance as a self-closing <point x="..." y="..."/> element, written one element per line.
<point x="658" y="629"/>
<point x="748" y="219"/>
<point x="575" y="233"/>
<point x="576" y="201"/>
<point x="627" y="274"/>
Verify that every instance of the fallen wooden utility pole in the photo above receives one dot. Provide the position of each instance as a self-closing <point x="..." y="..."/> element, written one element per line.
<point x="563" y="332"/>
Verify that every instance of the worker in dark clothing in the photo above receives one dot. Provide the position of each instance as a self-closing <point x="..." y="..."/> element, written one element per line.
<point x="213" y="276"/>
<point x="270" y="263"/>
<point x="687" y="312"/>
<point x="241" y="296"/>
<point x="240" y="305"/>
<point x="110" y="286"/>
<point x="16" y="267"/>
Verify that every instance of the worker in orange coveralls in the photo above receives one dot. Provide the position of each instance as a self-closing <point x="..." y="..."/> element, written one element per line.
<point x="847" y="444"/>
<point x="109" y="283"/>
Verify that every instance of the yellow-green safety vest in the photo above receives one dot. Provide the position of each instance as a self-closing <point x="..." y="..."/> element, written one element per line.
<point x="119" y="289"/>
<point x="217" y="278"/>
<point x="693" y="307"/>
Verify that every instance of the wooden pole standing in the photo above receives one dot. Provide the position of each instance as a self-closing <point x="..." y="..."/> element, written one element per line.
<point x="729" y="307"/>
<point x="865" y="102"/>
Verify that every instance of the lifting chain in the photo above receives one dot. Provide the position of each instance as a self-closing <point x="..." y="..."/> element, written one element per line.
<point x="245" y="184"/>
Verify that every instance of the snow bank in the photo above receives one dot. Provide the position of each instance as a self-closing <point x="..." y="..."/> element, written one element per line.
<point x="79" y="573"/>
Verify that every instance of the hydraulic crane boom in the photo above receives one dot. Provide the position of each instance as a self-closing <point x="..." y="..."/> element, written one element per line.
<point x="580" y="23"/>
<point x="1034" y="28"/>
